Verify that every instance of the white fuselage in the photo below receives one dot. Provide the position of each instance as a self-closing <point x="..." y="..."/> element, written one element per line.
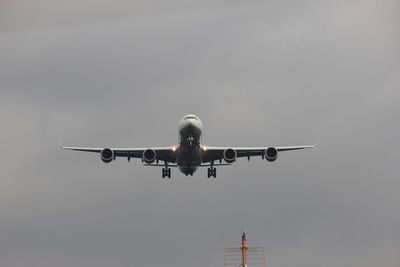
<point x="189" y="150"/>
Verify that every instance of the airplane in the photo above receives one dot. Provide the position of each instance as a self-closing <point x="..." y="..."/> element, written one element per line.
<point x="189" y="154"/>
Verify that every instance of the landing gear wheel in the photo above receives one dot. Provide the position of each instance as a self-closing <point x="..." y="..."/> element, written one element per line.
<point x="211" y="172"/>
<point x="166" y="172"/>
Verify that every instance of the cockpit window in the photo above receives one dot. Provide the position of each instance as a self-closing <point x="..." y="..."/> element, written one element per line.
<point x="190" y="117"/>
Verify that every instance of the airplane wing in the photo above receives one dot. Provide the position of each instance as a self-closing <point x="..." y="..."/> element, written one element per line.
<point x="229" y="154"/>
<point x="167" y="154"/>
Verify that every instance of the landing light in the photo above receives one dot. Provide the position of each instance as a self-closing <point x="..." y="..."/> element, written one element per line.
<point x="174" y="148"/>
<point x="204" y="148"/>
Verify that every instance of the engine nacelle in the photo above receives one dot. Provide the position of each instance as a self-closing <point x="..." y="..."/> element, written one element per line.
<point x="271" y="154"/>
<point x="107" y="155"/>
<point x="149" y="156"/>
<point x="230" y="155"/>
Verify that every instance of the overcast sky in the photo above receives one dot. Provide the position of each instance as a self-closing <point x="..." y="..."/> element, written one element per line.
<point x="122" y="73"/>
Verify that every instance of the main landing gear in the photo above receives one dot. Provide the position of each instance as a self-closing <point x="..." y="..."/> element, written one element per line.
<point x="166" y="172"/>
<point x="212" y="172"/>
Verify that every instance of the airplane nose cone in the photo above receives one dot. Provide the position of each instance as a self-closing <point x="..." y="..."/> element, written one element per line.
<point x="190" y="126"/>
<point x="196" y="123"/>
<point x="190" y="119"/>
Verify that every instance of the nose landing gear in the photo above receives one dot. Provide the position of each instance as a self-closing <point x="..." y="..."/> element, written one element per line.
<point x="189" y="172"/>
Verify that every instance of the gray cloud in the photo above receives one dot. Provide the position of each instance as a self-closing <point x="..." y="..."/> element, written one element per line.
<point x="122" y="73"/>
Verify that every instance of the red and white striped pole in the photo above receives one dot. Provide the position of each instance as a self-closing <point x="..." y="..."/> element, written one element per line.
<point x="244" y="250"/>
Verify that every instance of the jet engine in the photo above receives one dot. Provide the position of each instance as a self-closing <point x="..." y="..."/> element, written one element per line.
<point x="107" y="155"/>
<point x="230" y="155"/>
<point x="149" y="156"/>
<point x="271" y="154"/>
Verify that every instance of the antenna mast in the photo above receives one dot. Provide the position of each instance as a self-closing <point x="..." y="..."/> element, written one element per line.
<point x="244" y="256"/>
<point x="244" y="249"/>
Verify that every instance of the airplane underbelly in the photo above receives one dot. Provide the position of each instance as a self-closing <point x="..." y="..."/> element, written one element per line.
<point x="189" y="157"/>
<point x="188" y="170"/>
